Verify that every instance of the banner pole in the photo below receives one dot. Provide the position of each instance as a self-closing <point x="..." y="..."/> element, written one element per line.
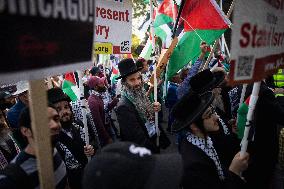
<point x="155" y="71"/>
<point x="41" y="133"/>
<point x="252" y="104"/>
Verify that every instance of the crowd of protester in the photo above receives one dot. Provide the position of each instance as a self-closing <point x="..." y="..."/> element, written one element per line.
<point x="127" y="150"/>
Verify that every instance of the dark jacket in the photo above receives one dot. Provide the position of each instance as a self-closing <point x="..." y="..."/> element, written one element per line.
<point x="70" y="149"/>
<point x="132" y="127"/>
<point x="96" y="106"/>
<point x="264" y="149"/>
<point x="200" y="171"/>
<point x="226" y="145"/>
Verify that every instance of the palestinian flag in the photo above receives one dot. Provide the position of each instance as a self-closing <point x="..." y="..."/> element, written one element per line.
<point x="114" y="71"/>
<point x="147" y="50"/>
<point x="165" y="33"/>
<point x="164" y="19"/>
<point x="145" y="25"/>
<point x="165" y="13"/>
<point x="69" y="86"/>
<point x="202" y="20"/>
<point x="163" y="25"/>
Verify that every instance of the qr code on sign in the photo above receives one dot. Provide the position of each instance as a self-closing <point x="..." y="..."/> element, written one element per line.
<point x="125" y="46"/>
<point x="245" y="66"/>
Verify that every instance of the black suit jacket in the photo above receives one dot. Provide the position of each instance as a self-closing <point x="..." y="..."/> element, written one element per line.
<point x="132" y="127"/>
<point x="200" y="171"/>
<point x="263" y="149"/>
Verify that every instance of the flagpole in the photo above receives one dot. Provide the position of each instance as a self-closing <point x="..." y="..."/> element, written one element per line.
<point x="174" y="13"/>
<point x="155" y="70"/>
<point x="222" y="44"/>
<point x="83" y="108"/>
<point x="226" y="47"/>
<point x="152" y="27"/>
<point x="252" y="104"/>
<point x="178" y="17"/>
<point x="216" y="41"/>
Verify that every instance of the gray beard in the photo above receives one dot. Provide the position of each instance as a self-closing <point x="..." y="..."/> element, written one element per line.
<point x="140" y="100"/>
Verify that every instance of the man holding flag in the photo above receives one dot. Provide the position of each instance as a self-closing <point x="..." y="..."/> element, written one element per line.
<point x="135" y="112"/>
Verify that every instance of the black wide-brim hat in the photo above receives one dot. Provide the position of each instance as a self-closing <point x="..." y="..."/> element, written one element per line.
<point x="189" y="108"/>
<point x="206" y="80"/>
<point x="55" y="95"/>
<point x="127" y="67"/>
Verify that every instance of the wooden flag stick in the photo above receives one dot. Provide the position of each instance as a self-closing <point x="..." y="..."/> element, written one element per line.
<point x="41" y="133"/>
<point x="155" y="70"/>
<point x="163" y="60"/>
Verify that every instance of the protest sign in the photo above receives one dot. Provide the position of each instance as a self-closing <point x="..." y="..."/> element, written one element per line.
<point x="103" y="48"/>
<point x="257" y="40"/>
<point x="114" y="24"/>
<point x="43" y="38"/>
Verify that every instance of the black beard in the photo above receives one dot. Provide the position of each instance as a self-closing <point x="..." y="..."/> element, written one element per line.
<point x="54" y="140"/>
<point x="66" y="124"/>
<point x="6" y="105"/>
<point x="101" y="89"/>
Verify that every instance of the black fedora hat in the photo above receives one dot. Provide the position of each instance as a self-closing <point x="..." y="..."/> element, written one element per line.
<point x="206" y="80"/>
<point x="55" y="95"/>
<point x="127" y="67"/>
<point x="189" y="108"/>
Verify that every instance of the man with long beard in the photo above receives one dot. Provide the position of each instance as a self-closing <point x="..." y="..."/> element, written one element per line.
<point x="135" y="112"/>
<point x="71" y="142"/>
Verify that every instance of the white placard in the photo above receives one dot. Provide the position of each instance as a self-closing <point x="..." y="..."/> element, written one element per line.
<point x="257" y="39"/>
<point x="113" y="24"/>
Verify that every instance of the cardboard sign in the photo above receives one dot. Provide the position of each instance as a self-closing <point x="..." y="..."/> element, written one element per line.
<point x="114" y="24"/>
<point x="43" y="38"/>
<point x="103" y="48"/>
<point x="257" y="40"/>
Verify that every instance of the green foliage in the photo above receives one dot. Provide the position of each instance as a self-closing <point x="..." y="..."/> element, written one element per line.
<point x="135" y="44"/>
<point x="139" y="8"/>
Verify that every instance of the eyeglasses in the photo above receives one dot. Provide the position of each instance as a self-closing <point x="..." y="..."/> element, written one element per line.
<point x="209" y="112"/>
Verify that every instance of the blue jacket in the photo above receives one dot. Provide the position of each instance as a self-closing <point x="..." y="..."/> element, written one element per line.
<point x="185" y="87"/>
<point x="13" y="114"/>
<point x="172" y="94"/>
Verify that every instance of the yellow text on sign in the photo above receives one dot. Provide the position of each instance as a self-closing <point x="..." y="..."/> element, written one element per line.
<point x="103" y="48"/>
